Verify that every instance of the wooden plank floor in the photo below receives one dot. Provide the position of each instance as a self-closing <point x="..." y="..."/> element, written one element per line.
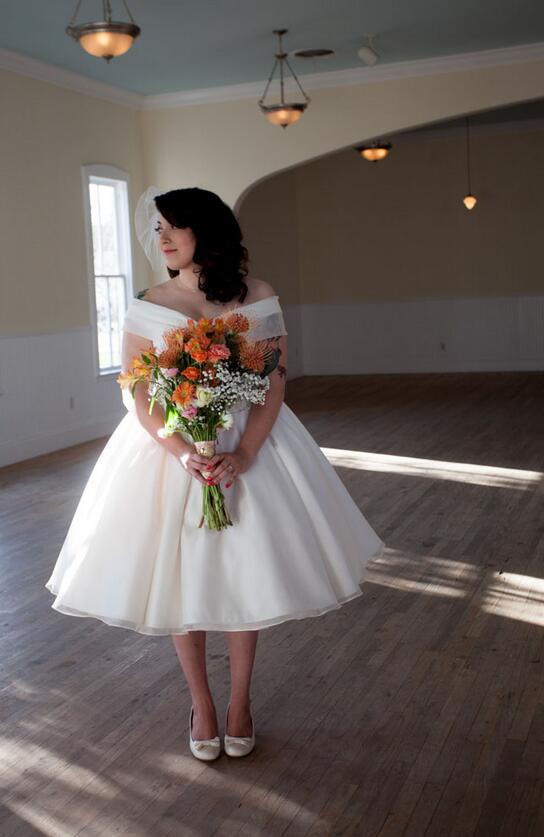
<point x="417" y="709"/>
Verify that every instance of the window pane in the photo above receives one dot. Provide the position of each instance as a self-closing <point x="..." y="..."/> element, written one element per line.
<point x="104" y="229"/>
<point x="110" y="308"/>
<point x="117" y="312"/>
<point x="110" y="240"/>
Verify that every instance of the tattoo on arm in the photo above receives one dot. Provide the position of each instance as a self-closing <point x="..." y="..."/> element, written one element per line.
<point x="272" y="354"/>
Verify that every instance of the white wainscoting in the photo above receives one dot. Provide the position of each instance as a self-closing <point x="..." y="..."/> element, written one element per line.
<point x="424" y="335"/>
<point x="41" y="373"/>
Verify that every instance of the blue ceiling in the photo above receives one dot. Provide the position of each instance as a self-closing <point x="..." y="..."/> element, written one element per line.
<point x="192" y="44"/>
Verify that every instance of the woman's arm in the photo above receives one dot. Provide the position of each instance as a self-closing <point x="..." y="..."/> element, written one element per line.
<point x="133" y="345"/>
<point x="261" y="417"/>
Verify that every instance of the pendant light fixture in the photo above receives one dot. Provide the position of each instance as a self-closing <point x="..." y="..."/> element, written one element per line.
<point x="106" y="38"/>
<point x="374" y="152"/>
<point x="283" y="113"/>
<point x="469" y="200"/>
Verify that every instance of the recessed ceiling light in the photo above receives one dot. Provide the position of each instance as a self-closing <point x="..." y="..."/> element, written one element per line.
<point x="312" y="53"/>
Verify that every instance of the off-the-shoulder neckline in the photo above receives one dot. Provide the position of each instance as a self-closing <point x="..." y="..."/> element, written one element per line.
<point x="187" y="317"/>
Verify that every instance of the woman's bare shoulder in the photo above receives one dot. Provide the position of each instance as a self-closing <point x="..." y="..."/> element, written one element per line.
<point x="154" y="294"/>
<point x="258" y="289"/>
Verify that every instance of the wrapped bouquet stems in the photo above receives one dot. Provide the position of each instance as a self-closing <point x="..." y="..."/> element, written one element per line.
<point x="214" y="511"/>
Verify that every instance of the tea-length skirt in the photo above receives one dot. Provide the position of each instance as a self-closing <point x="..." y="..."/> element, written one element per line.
<point x="135" y="557"/>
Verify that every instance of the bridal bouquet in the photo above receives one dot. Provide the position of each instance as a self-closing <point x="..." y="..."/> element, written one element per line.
<point x="204" y="368"/>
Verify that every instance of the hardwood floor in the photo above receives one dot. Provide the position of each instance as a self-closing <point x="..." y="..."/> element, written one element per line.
<point x="416" y="709"/>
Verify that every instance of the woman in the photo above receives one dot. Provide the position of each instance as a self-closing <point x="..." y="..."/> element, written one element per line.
<point x="134" y="555"/>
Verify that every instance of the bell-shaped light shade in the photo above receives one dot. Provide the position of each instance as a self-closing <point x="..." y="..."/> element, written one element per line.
<point x="375" y="154"/>
<point x="470" y="201"/>
<point x="283" y="116"/>
<point x="106" y="39"/>
<point x="106" y="44"/>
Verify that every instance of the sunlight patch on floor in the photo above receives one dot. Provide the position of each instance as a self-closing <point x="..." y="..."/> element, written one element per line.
<point x="516" y="596"/>
<point x="436" y="469"/>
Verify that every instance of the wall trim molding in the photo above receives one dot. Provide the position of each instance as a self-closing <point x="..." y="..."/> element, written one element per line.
<point x="43" y="71"/>
<point x="356" y="75"/>
<point x="24" y="65"/>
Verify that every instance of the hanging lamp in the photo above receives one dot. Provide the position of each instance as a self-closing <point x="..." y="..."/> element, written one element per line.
<point x="469" y="200"/>
<point x="283" y="113"/>
<point x="106" y="38"/>
<point x="374" y="152"/>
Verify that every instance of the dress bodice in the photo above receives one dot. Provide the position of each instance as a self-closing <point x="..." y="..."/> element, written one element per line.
<point x="150" y="320"/>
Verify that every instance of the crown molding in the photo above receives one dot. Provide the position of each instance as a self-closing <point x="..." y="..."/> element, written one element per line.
<point x="462" y="62"/>
<point x="24" y="65"/>
<point x="357" y="75"/>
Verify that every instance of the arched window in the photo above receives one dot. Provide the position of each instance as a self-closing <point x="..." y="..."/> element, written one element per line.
<point x="109" y="259"/>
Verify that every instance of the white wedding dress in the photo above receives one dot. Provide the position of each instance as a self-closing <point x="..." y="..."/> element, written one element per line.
<point x="135" y="557"/>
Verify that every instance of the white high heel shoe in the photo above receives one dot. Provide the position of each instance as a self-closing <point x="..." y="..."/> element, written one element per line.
<point x="206" y="749"/>
<point x="239" y="745"/>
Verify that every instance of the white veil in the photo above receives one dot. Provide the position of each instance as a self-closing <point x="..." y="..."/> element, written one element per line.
<point x="146" y="217"/>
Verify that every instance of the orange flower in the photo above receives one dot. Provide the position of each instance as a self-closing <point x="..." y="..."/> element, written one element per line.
<point x="174" y="338"/>
<point x="196" y="351"/>
<point x="125" y="379"/>
<point x="219" y="326"/>
<point x="183" y="393"/>
<point x="192" y="373"/>
<point x="139" y="371"/>
<point x="237" y="322"/>
<point x="204" y="324"/>
<point x="169" y="357"/>
<point x="252" y="357"/>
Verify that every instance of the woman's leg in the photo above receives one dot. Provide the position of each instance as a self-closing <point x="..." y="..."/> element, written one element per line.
<point x="191" y="651"/>
<point x="242" y="647"/>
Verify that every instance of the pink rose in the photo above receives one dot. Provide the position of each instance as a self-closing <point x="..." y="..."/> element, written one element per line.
<point x="171" y="373"/>
<point x="189" y="412"/>
<point x="218" y="352"/>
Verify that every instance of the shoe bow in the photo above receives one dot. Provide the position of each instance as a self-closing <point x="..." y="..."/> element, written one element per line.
<point x="199" y="744"/>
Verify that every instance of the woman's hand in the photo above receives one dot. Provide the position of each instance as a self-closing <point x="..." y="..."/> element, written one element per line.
<point x="194" y="463"/>
<point x="229" y="464"/>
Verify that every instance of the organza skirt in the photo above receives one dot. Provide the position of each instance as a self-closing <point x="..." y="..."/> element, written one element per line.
<point x="135" y="557"/>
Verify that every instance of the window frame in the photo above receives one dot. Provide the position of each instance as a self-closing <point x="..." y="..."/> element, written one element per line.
<point x="107" y="172"/>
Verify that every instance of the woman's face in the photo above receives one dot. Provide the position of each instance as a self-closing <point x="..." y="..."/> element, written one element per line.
<point x="177" y="244"/>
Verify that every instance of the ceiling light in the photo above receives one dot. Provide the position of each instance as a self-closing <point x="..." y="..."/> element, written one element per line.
<point x="469" y="200"/>
<point x="282" y="113"/>
<point x="106" y="38"/>
<point x="374" y="152"/>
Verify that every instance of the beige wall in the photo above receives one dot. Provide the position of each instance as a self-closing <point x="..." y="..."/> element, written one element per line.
<point x="398" y="229"/>
<point x="48" y="133"/>
<point x="229" y="146"/>
<point x="351" y="230"/>
<point x="268" y="217"/>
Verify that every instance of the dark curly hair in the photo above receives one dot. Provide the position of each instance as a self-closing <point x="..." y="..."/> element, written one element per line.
<point x="219" y="251"/>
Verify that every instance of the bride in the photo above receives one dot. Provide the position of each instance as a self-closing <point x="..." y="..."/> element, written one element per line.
<point x="134" y="555"/>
